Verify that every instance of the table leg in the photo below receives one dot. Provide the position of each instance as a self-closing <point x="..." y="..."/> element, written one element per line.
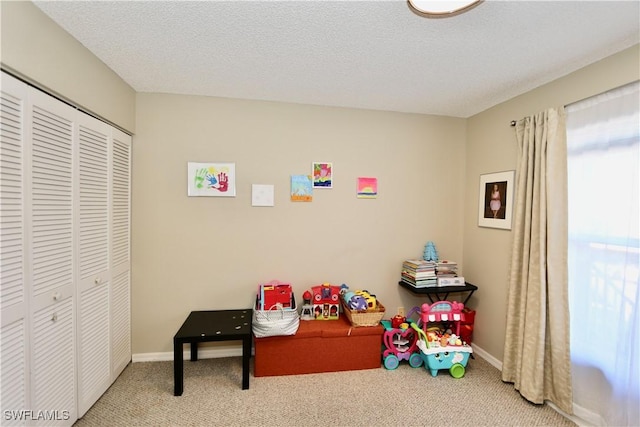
<point x="246" y="357"/>
<point x="465" y="302"/>
<point x="194" y="351"/>
<point x="177" y="368"/>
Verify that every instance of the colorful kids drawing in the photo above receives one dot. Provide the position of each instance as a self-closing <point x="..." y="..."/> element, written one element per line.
<point x="212" y="179"/>
<point x="322" y="175"/>
<point x="301" y="189"/>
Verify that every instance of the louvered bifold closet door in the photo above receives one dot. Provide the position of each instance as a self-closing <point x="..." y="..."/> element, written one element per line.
<point x="51" y="256"/>
<point x="13" y="332"/>
<point x="94" y="367"/>
<point x="120" y="256"/>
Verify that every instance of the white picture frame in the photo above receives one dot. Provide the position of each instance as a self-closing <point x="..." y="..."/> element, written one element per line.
<point x="495" y="200"/>
<point x="322" y="174"/>
<point x="211" y="179"/>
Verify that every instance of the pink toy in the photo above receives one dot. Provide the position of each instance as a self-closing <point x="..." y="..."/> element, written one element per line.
<point x="448" y="351"/>
<point x="400" y="341"/>
<point x="442" y="311"/>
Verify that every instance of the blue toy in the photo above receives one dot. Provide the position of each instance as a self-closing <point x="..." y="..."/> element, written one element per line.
<point x="357" y="302"/>
<point x="430" y="252"/>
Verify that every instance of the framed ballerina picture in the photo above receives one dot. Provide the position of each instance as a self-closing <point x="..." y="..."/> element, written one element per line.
<point x="496" y="200"/>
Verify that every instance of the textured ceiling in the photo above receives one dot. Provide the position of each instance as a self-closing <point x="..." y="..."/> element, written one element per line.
<point x="363" y="54"/>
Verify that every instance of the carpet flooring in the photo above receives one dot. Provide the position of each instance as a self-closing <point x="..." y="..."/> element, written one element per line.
<point x="143" y="396"/>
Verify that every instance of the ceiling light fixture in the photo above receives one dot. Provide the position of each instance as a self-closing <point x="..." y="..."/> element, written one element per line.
<point x="434" y="8"/>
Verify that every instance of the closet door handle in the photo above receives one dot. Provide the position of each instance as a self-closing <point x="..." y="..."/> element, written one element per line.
<point x="97" y="280"/>
<point x="54" y="318"/>
<point x="56" y="296"/>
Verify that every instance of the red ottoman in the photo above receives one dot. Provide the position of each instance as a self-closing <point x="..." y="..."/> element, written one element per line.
<point x="319" y="346"/>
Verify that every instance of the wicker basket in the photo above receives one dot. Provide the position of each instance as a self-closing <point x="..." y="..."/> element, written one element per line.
<point x="364" y="317"/>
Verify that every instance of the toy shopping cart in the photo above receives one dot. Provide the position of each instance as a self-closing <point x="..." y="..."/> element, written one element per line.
<point x="445" y="351"/>
<point x="400" y="341"/>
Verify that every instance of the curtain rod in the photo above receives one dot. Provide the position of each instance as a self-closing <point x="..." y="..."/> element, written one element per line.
<point x="513" y="122"/>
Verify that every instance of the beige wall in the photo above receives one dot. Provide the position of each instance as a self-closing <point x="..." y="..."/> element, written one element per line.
<point x="36" y="48"/>
<point x="194" y="253"/>
<point x="211" y="253"/>
<point x="491" y="147"/>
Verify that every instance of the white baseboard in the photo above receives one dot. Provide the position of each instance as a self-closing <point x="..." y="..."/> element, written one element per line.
<point x="233" y="351"/>
<point x="203" y="353"/>
<point x="486" y="356"/>
<point x="582" y="417"/>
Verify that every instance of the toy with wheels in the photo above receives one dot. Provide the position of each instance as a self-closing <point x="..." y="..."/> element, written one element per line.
<point x="446" y="351"/>
<point x="400" y="342"/>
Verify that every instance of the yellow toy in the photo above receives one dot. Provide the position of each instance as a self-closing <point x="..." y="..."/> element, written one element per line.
<point x="371" y="299"/>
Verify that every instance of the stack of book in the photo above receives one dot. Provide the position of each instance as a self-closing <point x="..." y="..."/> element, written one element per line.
<point x="446" y="268"/>
<point x="419" y="273"/>
<point x="447" y="274"/>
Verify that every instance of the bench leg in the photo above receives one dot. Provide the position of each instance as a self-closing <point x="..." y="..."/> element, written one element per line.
<point x="194" y="351"/>
<point x="246" y="357"/>
<point x="177" y="368"/>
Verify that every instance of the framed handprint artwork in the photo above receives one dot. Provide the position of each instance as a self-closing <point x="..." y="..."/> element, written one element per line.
<point x="211" y="179"/>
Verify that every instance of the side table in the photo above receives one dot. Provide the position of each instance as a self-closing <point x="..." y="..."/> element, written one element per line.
<point x="207" y="326"/>
<point x="441" y="292"/>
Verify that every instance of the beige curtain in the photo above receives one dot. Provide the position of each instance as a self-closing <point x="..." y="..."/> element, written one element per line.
<point x="536" y="353"/>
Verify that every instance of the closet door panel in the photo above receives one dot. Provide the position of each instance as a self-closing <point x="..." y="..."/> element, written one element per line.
<point x="51" y="199"/>
<point x="120" y="323"/>
<point x="53" y="366"/>
<point x="121" y="199"/>
<point x="14" y="391"/>
<point x="14" y="370"/>
<point x="94" y="368"/>
<point x="12" y="224"/>
<point x="94" y="375"/>
<point x="51" y="257"/>
<point x="120" y="252"/>
<point x="93" y="213"/>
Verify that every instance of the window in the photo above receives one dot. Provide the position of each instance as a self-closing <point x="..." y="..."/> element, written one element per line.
<point x="603" y="150"/>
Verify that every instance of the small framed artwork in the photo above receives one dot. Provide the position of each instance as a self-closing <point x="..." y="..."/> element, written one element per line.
<point x="301" y="188"/>
<point x="211" y="179"/>
<point x="496" y="200"/>
<point x="261" y="195"/>
<point x="367" y="188"/>
<point x="322" y="174"/>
